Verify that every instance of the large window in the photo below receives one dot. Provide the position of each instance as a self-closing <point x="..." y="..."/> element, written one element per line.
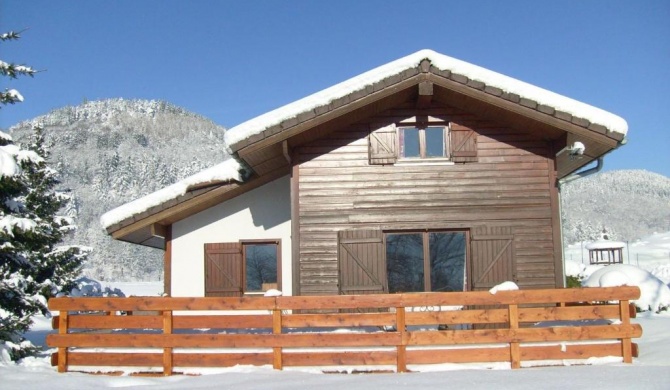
<point x="238" y="268"/>
<point x="423" y="142"/>
<point x="426" y="261"/>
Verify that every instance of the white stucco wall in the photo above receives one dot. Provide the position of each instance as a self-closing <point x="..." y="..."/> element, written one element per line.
<point x="262" y="213"/>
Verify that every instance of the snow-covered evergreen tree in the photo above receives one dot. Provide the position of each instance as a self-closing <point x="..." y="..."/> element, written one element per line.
<point x="32" y="265"/>
<point x="11" y="96"/>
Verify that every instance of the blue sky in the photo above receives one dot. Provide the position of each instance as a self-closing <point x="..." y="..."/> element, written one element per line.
<point x="233" y="60"/>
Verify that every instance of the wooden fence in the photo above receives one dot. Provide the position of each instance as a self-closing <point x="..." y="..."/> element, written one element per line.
<point x="382" y="332"/>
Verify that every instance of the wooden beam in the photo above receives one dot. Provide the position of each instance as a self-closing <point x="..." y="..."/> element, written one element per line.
<point x="158" y="230"/>
<point x="167" y="263"/>
<point x="425" y="96"/>
<point x="295" y="226"/>
<point x="286" y="151"/>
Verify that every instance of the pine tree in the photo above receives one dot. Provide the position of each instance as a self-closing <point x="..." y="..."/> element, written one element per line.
<point x="12" y="96"/>
<point x="32" y="265"/>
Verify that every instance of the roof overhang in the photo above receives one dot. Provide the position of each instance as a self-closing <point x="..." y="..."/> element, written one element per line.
<point x="264" y="143"/>
<point x="449" y="88"/>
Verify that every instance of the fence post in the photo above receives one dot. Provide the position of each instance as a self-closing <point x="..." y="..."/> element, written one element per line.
<point x="167" y="351"/>
<point x="401" y="350"/>
<point x="277" y="363"/>
<point x="514" y="350"/>
<point x="626" y="345"/>
<point x="62" y="351"/>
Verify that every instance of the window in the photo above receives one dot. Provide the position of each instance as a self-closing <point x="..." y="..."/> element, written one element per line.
<point x="435" y="143"/>
<point x="426" y="261"/>
<point x="237" y="268"/>
<point x="418" y="142"/>
<point x="260" y="264"/>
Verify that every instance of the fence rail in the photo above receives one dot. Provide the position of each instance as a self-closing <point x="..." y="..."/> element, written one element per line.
<point x="387" y="331"/>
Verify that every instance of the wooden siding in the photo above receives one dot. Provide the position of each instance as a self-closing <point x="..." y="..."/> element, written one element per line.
<point x="509" y="186"/>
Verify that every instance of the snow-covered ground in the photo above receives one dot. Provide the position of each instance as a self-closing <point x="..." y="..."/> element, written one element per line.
<point x="651" y="370"/>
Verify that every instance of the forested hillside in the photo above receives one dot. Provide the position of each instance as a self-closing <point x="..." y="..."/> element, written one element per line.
<point x="630" y="204"/>
<point x="112" y="151"/>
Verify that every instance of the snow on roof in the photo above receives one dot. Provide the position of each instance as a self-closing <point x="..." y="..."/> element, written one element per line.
<point x="604" y="244"/>
<point x="507" y="84"/>
<point x="227" y="171"/>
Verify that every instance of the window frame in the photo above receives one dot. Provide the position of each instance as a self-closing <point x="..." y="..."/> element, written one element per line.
<point x="244" y="244"/>
<point x="234" y="251"/>
<point x="425" y="233"/>
<point x="421" y="128"/>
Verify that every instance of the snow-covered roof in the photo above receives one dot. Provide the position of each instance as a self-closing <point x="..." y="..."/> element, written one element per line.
<point x="604" y="244"/>
<point x="611" y="122"/>
<point x="255" y="127"/>
<point x="227" y="171"/>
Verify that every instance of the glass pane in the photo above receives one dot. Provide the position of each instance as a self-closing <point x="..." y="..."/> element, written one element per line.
<point x="447" y="261"/>
<point x="261" y="265"/>
<point x="435" y="142"/>
<point x="409" y="142"/>
<point x="404" y="262"/>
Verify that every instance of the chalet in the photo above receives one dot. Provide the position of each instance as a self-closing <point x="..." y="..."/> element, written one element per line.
<point x="424" y="174"/>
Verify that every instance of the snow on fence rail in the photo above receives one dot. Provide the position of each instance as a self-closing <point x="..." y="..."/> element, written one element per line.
<point x="393" y="330"/>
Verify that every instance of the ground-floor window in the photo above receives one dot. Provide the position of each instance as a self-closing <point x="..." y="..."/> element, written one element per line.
<point x="261" y="262"/>
<point x="426" y="261"/>
<point x="238" y="268"/>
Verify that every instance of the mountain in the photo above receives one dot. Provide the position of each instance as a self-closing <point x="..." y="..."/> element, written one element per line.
<point x="629" y="204"/>
<point x="110" y="152"/>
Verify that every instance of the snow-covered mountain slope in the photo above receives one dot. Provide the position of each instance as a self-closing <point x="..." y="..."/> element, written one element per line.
<point x="112" y="151"/>
<point x="629" y="204"/>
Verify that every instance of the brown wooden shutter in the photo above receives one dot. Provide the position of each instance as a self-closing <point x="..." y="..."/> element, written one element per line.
<point x="492" y="257"/>
<point x="384" y="145"/>
<point x="463" y="143"/>
<point x="362" y="262"/>
<point x="223" y="270"/>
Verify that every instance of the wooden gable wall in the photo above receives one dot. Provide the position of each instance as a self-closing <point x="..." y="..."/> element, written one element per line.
<point x="510" y="188"/>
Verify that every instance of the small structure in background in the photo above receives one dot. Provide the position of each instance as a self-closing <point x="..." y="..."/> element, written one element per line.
<point x="605" y="251"/>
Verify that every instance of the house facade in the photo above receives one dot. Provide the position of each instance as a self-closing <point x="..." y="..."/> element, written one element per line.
<point x="425" y="174"/>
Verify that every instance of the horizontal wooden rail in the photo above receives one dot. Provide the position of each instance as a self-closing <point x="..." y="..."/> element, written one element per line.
<point x="371" y="330"/>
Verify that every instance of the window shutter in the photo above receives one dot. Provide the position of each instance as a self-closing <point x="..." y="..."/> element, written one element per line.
<point x="362" y="262"/>
<point x="492" y="257"/>
<point x="463" y="143"/>
<point x="223" y="270"/>
<point x="384" y="145"/>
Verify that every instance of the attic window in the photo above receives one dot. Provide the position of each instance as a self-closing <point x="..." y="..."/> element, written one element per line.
<point x="428" y="142"/>
<point x="452" y="143"/>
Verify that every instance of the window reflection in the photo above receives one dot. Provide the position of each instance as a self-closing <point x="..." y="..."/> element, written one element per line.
<point x="260" y="264"/>
<point x="407" y="262"/>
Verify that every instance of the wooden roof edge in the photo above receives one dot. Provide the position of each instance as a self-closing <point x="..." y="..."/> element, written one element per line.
<point x="460" y="83"/>
<point x="425" y="67"/>
<point x="318" y="112"/>
<point x="186" y="206"/>
<point x="192" y="193"/>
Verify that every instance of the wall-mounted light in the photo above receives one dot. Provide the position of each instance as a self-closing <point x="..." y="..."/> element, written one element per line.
<point x="576" y="150"/>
